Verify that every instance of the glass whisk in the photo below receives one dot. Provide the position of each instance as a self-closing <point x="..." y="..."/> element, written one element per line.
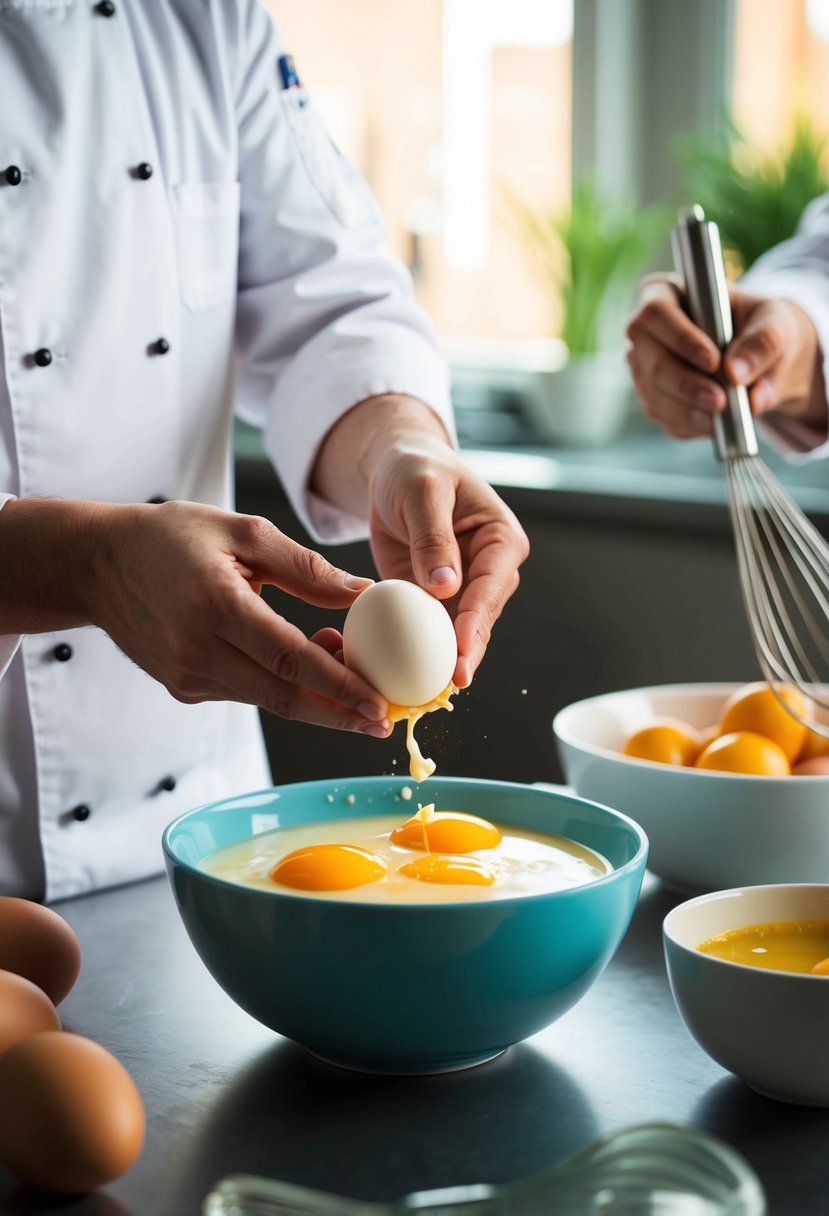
<point x="647" y="1170"/>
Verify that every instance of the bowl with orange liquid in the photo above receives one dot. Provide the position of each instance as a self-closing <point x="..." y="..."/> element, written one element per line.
<point x="722" y="779"/>
<point x="391" y="938"/>
<point x="749" y="972"/>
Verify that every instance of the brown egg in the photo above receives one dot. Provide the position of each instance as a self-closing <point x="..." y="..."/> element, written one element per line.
<point x="25" y="1009"/>
<point x="71" y="1118"/>
<point x="37" y="943"/>
<point x="817" y="766"/>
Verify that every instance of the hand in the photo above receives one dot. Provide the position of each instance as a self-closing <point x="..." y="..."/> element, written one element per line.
<point x="436" y="523"/>
<point x="432" y="520"/>
<point x="775" y="353"/>
<point x="177" y="588"/>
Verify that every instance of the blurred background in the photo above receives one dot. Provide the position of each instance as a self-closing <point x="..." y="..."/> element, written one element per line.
<point x="459" y="111"/>
<point x="529" y="157"/>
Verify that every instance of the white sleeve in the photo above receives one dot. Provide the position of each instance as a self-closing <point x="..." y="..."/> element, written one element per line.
<point x="326" y="316"/>
<point x="9" y="642"/>
<point x="798" y="270"/>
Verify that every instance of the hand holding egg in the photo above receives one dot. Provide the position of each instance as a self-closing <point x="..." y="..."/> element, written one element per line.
<point x="436" y="523"/>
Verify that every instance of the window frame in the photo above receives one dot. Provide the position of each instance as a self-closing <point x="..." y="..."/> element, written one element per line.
<point x="643" y="72"/>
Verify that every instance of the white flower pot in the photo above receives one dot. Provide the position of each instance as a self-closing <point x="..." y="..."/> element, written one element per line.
<point x="585" y="403"/>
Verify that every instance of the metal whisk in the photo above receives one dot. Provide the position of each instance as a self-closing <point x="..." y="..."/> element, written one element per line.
<point x="782" y="559"/>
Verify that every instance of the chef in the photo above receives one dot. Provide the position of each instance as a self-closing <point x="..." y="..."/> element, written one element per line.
<point x="179" y="241"/>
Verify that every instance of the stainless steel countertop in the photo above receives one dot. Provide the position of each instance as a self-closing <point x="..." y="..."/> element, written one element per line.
<point x="225" y="1095"/>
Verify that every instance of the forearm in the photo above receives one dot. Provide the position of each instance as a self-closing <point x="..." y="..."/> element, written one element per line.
<point x="352" y="448"/>
<point x="47" y="563"/>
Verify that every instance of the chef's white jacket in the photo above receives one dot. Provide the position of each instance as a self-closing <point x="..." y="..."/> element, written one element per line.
<point x="179" y="239"/>
<point x="798" y="270"/>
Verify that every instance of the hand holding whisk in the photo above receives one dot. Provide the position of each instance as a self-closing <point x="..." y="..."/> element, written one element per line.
<point x="782" y="559"/>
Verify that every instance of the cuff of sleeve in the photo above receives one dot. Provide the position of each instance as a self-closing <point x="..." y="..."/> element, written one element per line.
<point x="795" y="440"/>
<point x="9" y="642"/>
<point x="316" y="392"/>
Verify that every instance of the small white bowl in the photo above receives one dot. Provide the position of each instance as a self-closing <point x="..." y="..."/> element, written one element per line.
<point x="707" y="830"/>
<point x="768" y="1027"/>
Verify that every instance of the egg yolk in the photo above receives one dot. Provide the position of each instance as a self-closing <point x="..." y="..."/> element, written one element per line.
<point x="420" y="767"/>
<point x="815" y="747"/>
<point x="664" y="743"/>
<point x="795" y="945"/>
<point x="756" y="707"/>
<point x="745" y="752"/>
<point x="467" y="871"/>
<point x="445" y="832"/>
<point x="329" y="867"/>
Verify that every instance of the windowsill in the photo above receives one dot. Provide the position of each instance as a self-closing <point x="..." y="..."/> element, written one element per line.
<point x="641" y="466"/>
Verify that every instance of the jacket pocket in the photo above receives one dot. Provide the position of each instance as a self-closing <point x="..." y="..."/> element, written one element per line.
<point x="207" y="241"/>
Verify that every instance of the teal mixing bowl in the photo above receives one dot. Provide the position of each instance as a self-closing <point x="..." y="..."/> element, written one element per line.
<point x="404" y="988"/>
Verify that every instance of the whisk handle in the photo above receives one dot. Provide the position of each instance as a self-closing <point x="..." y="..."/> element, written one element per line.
<point x="698" y="261"/>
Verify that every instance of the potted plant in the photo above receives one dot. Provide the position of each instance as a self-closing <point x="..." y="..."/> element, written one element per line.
<point x="591" y="252"/>
<point x="755" y="199"/>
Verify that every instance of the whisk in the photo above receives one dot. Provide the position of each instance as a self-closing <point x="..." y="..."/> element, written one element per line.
<point x="782" y="559"/>
<point x="645" y="1170"/>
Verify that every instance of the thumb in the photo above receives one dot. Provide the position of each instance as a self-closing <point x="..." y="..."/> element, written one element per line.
<point x="435" y="556"/>
<point x="756" y="349"/>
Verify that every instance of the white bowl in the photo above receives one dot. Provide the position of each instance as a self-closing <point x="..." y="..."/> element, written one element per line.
<point x="707" y="830"/>
<point x="768" y="1027"/>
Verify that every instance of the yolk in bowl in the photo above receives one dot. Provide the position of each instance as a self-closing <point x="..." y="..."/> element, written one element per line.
<point x="446" y="832"/>
<point x="664" y="743"/>
<point x="745" y="752"/>
<point x="465" y="870"/>
<point x="795" y="945"/>
<point x="756" y="708"/>
<point x="329" y="867"/>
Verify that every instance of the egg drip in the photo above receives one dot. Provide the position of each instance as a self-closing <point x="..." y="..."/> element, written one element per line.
<point x="444" y="837"/>
<point x="420" y="766"/>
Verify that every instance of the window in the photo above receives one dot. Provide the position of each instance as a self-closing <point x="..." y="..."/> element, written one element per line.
<point x="781" y="68"/>
<point x="450" y="109"/>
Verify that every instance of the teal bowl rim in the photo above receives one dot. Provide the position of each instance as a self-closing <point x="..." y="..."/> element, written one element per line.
<point x="639" y="858"/>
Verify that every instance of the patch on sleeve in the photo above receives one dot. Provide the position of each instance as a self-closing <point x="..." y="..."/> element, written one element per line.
<point x="341" y="187"/>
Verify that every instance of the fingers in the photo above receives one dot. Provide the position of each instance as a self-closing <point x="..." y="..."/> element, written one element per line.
<point x="236" y="677"/>
<point x="272" y="557"/>
<point x="435" y="556"/>
<point x="330" y="640"/>
<point x="671" y="363"/>
<point x="255" y="656"/>
<point x="756" y="356"/>
<point x="662" y="318"/>
<point x="286" y="659"/>
<point x="496" y="550"/>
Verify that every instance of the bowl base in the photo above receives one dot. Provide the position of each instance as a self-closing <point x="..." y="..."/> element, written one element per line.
<point x="791" y="1099"/>
<point x="402" y="1070"/>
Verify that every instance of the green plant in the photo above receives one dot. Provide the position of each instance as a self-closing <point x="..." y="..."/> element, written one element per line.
<point x="755" y="199"/>
<point x="592" y="251"/>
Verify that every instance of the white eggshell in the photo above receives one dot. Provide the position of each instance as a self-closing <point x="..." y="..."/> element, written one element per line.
<point x="402" y="641"/>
